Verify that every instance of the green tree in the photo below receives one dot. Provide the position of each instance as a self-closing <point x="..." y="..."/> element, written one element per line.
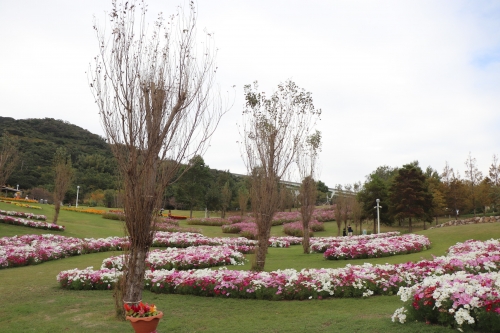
<point x="9" y="157"/>
<point x="192" y="187"/>
<point x="410" y="197"/>
<point x="375" y="188"/>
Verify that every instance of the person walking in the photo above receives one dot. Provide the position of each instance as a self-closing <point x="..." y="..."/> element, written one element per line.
<point x="349" y="230"/>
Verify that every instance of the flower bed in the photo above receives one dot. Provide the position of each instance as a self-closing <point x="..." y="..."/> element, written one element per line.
<point x="296" y="229"/>
<point x="24" y="215"/>
<point x="18" y="204"/>
<point x="281" y="218"/>
<point x="246" y="228"/>
<point x="321" y="244"/>
<point x="460" y="300"/>
<point x="237" y="218"/>
<point x="181" y="259"/>
<point x="84" y="210"/>
<point x="377" y="247"/>
<point x="88" y="279"/>
<point x="324" y="215"/>
<point x="213" y="221"/>
<point x="35" y="249"/>
<point x="186" y="239"/>
<point x="12" y="200"/>
<point x="174" y="227"/>
<point x="29" y="223"/>
<point x="351" y="281"/>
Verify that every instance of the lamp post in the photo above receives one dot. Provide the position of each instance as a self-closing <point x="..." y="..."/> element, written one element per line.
<point x="77" y="190"/>
<point x="378" y="214"/>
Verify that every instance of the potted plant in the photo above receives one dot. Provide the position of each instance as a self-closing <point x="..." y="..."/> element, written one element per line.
<point x="143" y="317"/>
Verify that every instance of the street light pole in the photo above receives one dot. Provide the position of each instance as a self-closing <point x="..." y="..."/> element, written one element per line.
<point x="77" y="190"/>
<point x="378" y="214"/>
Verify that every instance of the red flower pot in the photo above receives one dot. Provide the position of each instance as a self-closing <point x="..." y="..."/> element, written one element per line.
<point x="145" y="324"/>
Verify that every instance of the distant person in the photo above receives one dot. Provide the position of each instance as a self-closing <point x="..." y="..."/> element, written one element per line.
<point x="344" y="233"/>
<point x="349" y="230"/>
<point x="161" y="212"/>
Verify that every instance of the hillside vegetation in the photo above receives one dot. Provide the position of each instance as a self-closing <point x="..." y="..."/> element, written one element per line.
<point x="38" y="140"/>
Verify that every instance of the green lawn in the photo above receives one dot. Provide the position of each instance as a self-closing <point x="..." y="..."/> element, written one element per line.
<point x="33" y="302"/>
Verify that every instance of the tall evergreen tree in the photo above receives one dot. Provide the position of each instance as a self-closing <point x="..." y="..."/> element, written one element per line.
<point x="192" y="187"/>
<point x="375" y="188"/>
<point x="410" y="196"/>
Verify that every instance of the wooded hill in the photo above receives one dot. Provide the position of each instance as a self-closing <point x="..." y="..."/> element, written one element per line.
<point x="38" y="140"/>
<point x="96" y="169"/>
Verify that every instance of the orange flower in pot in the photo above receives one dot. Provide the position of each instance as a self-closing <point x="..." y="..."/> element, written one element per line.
<point x="143" y="317"/>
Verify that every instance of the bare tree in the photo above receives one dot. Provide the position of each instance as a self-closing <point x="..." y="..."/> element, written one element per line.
<point x="287" y="197"/>
<point x="339" y="201"/>
<point x="9" y="157"/>
<point x="494" y="173"/>
<point x="356" y="206"/>
<point x="306" y="161"/>
<point x="474" y="177"/>
<point x="347" y="206"/>
<point x="63" y="178"/>
<point x="153" y="88"/>
<point x="274" y="129"/>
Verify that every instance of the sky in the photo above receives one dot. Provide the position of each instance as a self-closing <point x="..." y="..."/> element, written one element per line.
<point x="397" y="81"/>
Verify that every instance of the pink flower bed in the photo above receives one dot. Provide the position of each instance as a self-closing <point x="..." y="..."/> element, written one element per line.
<point x="280" y="218"/>
<point x="377" y="247"/>
<point x="212" y="221"/>
<point x="24" y="215"/>
<point x="29" y="223"/>
<point x="246" y="229"/>
<point x="324" y="215"/>
<point x="321" y="244"/>
<point x="296" y="229"/>
<point x="35" y="249"/>
<point x="187" y="258"/>
<point x="174" y="227"/>
<point x="350" y="281"/>
<point x="463" y="294"/>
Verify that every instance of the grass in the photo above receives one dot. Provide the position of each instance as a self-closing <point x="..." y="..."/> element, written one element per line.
<point x="33" y="302"/>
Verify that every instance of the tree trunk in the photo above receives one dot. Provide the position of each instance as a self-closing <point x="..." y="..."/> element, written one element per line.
<point x="305" y="240"/>
<point x="262" y="244"/>
<point x="57" y="207"/>
<point x="409" y="225"/>
<point x="134" y="280"/>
